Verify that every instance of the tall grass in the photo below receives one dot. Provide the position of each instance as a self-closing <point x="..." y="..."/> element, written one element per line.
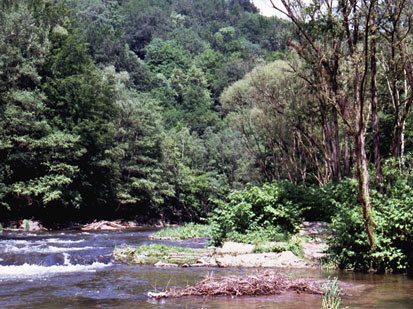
<point x="331" y="298"/>
<point x="187" y="231"/>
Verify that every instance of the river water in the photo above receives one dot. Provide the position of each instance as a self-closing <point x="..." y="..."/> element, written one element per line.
<point x="74" y="269"/>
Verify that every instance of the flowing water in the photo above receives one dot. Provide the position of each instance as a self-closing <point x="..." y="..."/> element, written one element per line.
<point x="74" y="269"/>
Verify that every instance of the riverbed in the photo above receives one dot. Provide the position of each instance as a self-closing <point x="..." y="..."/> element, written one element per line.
<point x="74" y="269"/>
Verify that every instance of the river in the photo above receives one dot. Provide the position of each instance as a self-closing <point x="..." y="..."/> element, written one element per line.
<point x="74" y="269"/>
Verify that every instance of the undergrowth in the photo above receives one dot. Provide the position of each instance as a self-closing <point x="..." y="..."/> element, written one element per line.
<point x="187" y="231"/>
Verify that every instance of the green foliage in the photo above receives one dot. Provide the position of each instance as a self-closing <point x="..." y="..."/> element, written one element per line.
<point x="113" y="105"/>
<point x="24" y="45"/>
<point x="183" y="159"/>
<point x="268" y="208"/>
<point x="293" y="244"/>
<point x="101" y="23"/>
<point x="187" y="231"/>
<point x="165" y="56"/>
<point x="80" y="99"/>
<point x="57" y="152"/>
<point x="257" y="236"/>
<point x="160" y="250"/>
<point x="37" y="164"/>
<point x="349" y="245"/>
<point x="394" y="230"/>
<point x="137" y="151"/>
<point x="192" y="99"/>
<point x="144" y="21"/>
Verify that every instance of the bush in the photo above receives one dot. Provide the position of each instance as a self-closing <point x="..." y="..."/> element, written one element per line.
<point x="313" y="201"/>
<point x="392" y="213"/>
<point x="268" y="212"/>
<point x="349" y="246"/>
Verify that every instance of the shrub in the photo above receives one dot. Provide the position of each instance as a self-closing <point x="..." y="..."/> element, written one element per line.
<point x="269" y="211"/>
<point x="313" y="201"/>
<point x="392" y="213"/>
<point x="349" y="246"/>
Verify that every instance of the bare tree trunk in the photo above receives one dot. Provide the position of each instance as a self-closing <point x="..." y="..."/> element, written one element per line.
<point x="398" y="131"/>
<point x="336" y="148"/>
<point x="363" y="183"/>
<point x="347" y="155"/>
<point x="356" y="17"/>
<point x="374" y="114"/>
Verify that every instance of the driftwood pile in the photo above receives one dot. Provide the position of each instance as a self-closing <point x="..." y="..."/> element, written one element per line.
<point x="267" y="283"/>
<point x="108" y="225"/>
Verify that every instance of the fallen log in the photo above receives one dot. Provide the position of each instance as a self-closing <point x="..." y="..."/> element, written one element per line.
<point x="267" y="283"/>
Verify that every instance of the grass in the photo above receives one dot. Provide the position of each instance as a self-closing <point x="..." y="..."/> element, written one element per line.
<point x="293" y="245"/>
<point x="258" y="237"/>
<point x="151" y="254"/>
<point x="187" y="231"/>
<point x="331" y="298"/>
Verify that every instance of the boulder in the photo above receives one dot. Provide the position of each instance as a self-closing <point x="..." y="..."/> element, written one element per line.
<point x="31" y="226"/>
<point x="271" y="259"/>
<point x="234" y="248"/>
<point x="163" y="264"/>
<point x="205" y="261"/>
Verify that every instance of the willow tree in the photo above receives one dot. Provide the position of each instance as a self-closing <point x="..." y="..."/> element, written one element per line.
<point x="336" y="42"/>
<point x="395" y="59"/>
<point x="274" y="112"/>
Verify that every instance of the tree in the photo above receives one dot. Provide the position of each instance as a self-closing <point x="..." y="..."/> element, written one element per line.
<point x="101" y="23"/>
<point x="142" y="182"/>
<point x="145" y="20"/>
<point x="396" y="59"/>
<point x="335" y="43"/>
<point x="275" y="115"/>
<point x="38" y="163"/>
<point x="80" y="100"/>
<point x="165" y="56"/>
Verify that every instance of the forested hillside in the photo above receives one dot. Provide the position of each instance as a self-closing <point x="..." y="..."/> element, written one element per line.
<point x="111" y="108"/>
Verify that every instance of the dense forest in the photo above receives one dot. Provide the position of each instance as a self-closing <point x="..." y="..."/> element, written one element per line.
<point x="184" y="109"/>
<point x="113" y="106"/>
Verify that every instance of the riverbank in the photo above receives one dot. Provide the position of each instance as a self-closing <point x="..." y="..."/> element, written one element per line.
<point x="240" y="255"/>
<point x="305" y="250"/>
<point x="31" y="225"/>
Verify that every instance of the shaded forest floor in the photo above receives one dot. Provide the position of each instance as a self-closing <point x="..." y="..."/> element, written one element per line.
<point x="314" y="243"/>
